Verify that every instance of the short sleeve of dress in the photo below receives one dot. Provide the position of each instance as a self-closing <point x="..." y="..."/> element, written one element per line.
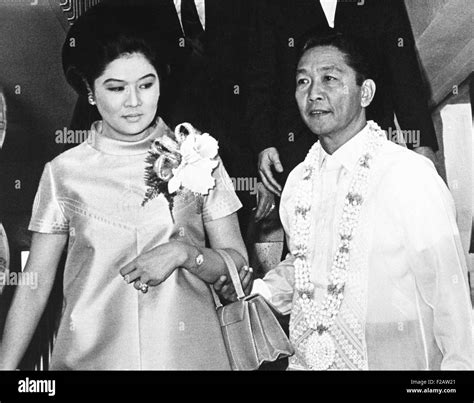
<point x="222" y="199"/>
<point x="48" y="216"/>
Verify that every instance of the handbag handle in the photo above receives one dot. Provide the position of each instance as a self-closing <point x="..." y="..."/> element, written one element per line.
<point x="234" y="274"/>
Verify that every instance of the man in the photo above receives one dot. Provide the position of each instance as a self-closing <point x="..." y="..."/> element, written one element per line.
<point x="376" y="275"/>
<point x="279" y="136"/>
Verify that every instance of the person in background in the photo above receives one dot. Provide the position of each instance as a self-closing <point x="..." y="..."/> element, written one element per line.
<point x="280" y="137"/>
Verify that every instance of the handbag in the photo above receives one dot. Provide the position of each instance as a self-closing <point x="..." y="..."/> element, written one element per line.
<point x="251" y="331"/>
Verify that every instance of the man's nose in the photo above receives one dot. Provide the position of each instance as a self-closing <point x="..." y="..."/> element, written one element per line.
<point x="315" y="92"/>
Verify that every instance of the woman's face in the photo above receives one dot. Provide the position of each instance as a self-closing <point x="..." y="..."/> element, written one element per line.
<point x="127" y="96"/>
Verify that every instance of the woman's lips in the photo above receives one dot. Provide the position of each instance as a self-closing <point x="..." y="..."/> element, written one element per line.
<point x="133" y="118"/>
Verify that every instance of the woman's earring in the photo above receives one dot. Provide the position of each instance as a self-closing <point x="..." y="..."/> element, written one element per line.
<point x="91" y="99"/>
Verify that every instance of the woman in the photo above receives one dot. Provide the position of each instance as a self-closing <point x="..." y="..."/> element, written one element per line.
<point x="92" y="195"/>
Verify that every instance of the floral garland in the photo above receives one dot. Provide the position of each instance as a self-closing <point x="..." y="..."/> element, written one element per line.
<point x="319" y="349"/>
<point x="185" y="161"/>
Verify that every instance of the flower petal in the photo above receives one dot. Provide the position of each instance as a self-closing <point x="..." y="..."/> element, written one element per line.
<point x="206" y="146"/>
<point x="197" y="177"/>
<point x="174" y="184"/>
<point x="187" y="146"/>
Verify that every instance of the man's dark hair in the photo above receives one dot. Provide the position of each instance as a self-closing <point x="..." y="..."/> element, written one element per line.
<point x="355" y="55"/>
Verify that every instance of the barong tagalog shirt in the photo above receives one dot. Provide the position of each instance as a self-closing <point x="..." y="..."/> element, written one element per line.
<point x="406" y="302"/>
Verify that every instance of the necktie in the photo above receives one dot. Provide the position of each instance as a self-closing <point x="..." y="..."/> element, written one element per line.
<point x="190" y="19"/>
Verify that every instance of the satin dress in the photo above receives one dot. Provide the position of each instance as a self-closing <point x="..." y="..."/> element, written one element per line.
<point x="94" y="192"/>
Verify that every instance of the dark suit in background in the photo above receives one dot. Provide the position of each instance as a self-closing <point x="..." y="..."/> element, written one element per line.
<point x="382" y="25"/>
<point x="206" y="85"/>
<point x="212" y="91"/>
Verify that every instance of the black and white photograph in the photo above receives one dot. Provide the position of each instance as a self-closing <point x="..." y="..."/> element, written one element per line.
<point x="195" y="188"/>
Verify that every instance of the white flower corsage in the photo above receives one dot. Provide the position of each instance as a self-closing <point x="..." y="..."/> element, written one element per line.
<point x="185" y="162"/>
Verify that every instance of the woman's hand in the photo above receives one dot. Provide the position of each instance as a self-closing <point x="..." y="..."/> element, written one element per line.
<point x="156" y="265"/>
<point x="225" y="288"/>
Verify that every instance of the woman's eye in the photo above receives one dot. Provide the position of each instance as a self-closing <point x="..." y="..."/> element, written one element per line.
<point x="116" y="89"/>
<point x="330" y="78"/>
<point x="146" y="85"/>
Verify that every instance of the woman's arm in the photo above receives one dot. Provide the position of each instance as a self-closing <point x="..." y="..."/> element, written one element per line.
<point x="28" y="304"/>
<point x="223" y="233"/>
<point x="156" y="266"/>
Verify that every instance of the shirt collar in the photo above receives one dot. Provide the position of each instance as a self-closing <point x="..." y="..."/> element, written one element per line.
<point x="116" y="147"/>
<point x="349" y="153"/>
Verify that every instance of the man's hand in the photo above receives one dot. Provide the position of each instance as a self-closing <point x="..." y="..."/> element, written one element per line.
<point x="265" y="202"/>
<point x="267" y="159"/>
<point x="225" y="288"/>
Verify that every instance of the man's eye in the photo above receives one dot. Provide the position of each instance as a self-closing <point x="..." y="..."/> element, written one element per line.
<point x="116" y="89"/>
<point x="330" y="78"/>
<point x="301" y="81"/>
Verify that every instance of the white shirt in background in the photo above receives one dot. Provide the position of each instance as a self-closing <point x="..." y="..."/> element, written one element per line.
<point x="329" y="8"/>
<point x="201" y="9"/>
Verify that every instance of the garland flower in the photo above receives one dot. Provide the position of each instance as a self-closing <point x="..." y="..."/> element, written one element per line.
<point x="319" y="349"/>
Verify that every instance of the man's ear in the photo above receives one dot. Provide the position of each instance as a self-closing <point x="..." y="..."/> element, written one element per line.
<point x="367" y="92"/>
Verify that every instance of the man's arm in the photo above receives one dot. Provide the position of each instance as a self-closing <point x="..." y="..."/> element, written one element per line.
<point x="278" y="286"/>
<point x="437" y="261"/>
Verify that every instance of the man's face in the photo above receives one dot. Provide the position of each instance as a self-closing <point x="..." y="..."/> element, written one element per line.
<point x="327" y="94"/>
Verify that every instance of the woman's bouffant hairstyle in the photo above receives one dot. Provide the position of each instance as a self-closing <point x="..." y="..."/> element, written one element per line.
<point x="105" y="33"/>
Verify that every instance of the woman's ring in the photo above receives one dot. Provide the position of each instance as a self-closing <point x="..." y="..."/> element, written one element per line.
<point x="272" y="206"/>
<point x="144" y="288"/>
